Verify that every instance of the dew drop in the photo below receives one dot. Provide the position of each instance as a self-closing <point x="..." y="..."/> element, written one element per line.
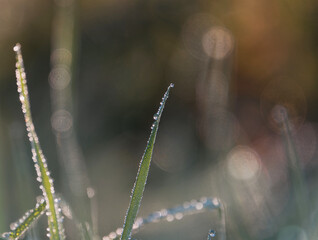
<point x="199" y="206"/>
<point x="119" y="231"/>
<point x="171" y="85"/>
<point x="179" y="216"/>
<point x="6" y="235"/>
<point x="212" y="234"/>
<point x="112" y="235"/>
<point x="170" y="218"/>
<point x="17" y="47"/>
<point x="216" y="202"/>
<point x="155" y="116"/>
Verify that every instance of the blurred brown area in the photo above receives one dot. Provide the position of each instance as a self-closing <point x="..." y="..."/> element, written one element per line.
<point x="232" y="63"/>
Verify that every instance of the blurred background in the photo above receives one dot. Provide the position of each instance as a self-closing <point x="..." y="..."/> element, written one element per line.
<point x="97" y="71"/>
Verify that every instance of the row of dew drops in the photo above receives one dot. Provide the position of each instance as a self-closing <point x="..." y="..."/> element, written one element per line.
<point x="176" y="213"/>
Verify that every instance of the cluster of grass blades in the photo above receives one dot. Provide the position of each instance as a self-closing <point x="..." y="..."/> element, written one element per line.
<point x="52" y="206"/>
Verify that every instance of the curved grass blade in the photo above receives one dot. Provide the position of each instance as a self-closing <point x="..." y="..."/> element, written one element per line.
<point x="24" y="223"/>
<point x="138" y="189"/>
<point x="176" y="213"/>
<point x="56" y="231"/>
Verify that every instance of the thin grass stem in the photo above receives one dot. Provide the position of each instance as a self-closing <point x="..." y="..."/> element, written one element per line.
<point x="139" y="186"/>
<point x="56" y="231"/>
<point x="24" y="223"/>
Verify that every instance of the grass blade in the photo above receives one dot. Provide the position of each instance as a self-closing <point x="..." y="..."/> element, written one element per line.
<point x="22" y="225"/>
<point x="56" y="231"/>
<point x="138" y="189"/>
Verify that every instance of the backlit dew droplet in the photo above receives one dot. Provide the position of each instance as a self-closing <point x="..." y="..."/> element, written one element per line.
<point x="199" y="206"/>
<point x="216" y="201"/>
<point x="112" y="235"/>
<point x="170" y="218"/>
<point x="6" y="235"/>
<point x="179" y="216"/>
<point x="211" y="234"/>
<point x="17" y="47"/>
<point x="155" y="116"/>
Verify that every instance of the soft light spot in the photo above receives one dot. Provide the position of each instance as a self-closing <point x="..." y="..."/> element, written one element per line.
<point x="59" y="78"/>
<point x="112" y="235"/>
<point x="61" y="56"/>
<point x="243" y="163"/>
<point x="62" y="121"/>
<point x="17" y="47"/>
<point x="90" y="192"/>
<point x="179" y="216"/>
<point x="170" y="218"/>
<point x="217" y="42"/>
<point x="119" y="231"/>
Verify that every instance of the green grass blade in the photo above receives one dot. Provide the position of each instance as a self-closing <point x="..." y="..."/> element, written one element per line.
<point x="22" y="225"/>
<point x="56" y="231"/>
<point x="138" y="189"/>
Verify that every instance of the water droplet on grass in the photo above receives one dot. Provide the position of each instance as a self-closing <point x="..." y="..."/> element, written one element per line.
<point x="212" y="234"/>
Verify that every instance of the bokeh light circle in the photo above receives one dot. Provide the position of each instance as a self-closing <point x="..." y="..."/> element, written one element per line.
<point x="62" y="121"/>
<point x="217" y="42"/>
<point x="243" y="163"/>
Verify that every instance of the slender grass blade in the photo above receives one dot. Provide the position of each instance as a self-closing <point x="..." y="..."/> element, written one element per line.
<point x="56" y="231"/>
<point x="24" y="223"/>
<point x="139" y="186"/>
